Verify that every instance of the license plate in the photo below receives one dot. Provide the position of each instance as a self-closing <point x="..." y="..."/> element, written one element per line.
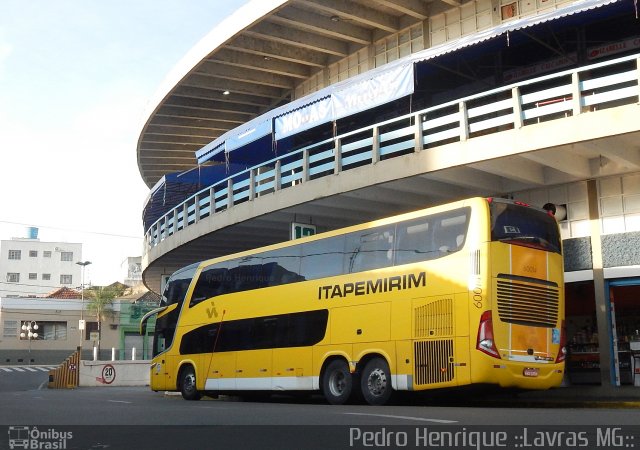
<point x="530" y="372"/>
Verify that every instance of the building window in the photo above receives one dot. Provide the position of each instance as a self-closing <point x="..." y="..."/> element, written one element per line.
<point x="33" y="253"/>
<point x="10" y="328"/>
<point x="66" y="256"/>
<point x="90" y="327"/>
<point x="66" y="279"/>
<point x="46" y="254"/>
<point x="33" y="276"/>
<point x="13" y="277"/>
<point x="51" y="331"/>
<point x="15" y="254"/>
<point x="46" y="276"/>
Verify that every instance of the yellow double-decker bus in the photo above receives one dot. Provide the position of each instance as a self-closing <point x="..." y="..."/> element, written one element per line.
<point x="464" y="293"/>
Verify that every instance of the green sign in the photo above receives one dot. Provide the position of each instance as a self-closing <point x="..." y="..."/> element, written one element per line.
<point x="300" y="230"/>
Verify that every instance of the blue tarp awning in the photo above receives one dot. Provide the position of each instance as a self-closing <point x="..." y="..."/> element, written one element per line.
<point x="371" y="89"/>
<point x="174" y="188"/>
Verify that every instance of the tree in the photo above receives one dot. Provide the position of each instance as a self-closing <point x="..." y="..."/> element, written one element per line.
<point x="100" y="305"/>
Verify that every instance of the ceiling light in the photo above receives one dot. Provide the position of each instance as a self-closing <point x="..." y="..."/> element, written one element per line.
<point x="335" y="19"/>
<point x="226" y="93"/>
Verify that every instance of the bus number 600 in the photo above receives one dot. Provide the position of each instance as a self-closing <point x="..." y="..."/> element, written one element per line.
<point x="477" y="297"/>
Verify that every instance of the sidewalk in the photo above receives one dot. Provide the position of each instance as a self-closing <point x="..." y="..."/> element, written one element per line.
<point x="579" y="397"/>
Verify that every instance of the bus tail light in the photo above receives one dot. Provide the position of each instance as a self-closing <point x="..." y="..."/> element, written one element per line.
<point x="485" y="342"/>
<point x="562" y="351"/>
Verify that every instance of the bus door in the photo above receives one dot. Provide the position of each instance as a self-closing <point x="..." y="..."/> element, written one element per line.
<point x="162" y="338"/>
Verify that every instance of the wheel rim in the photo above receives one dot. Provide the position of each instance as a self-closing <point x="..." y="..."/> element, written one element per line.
<point x="337" y="383"/>
<point x="377" y="382"/>
<point x="189" y="383"/>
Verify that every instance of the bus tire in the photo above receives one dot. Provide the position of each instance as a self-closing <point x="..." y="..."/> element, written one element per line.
<point x="337" y="382"/>
<point x="375" y="382"/>
<point x="188" y="384"/>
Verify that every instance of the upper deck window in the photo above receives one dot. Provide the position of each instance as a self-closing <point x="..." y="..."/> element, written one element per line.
<point x="525" y="226"/>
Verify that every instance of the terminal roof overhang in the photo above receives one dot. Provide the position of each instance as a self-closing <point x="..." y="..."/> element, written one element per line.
<point x="251" y="63"/>
<point x="258" y="55"/>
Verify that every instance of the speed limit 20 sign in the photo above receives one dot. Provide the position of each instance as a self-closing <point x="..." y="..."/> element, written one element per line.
<point x="108" y="374"/>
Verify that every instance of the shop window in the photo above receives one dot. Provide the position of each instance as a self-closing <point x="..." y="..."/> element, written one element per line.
<point x="52" y="331"/>
<point x="583" y="362"/>
<point x="626" y="305"/>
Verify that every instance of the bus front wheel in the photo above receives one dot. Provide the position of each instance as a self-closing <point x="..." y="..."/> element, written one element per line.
<point x="337" y="382"/>
<point x="188" y="384"/>
<point x="375" y="382"/>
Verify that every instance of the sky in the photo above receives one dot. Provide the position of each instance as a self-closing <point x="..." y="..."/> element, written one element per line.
<point x="76" y="77"/>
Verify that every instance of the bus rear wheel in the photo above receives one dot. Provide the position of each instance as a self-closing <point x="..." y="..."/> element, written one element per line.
<point x="188" y="384"/>
<point x="337" y="382"/>
<point x="375" y="382"/>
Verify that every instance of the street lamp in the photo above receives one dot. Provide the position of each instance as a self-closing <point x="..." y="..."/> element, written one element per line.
<point x="29" y="330"/>
<point x="81" y="327"/>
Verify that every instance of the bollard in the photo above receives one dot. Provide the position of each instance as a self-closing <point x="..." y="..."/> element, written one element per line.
<point x="95" y="353"/>
<point x="133" y="354"/>
<point x="113" y="353"/>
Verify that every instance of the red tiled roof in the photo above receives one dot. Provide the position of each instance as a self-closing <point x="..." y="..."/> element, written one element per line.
<point x="64" y="293"/>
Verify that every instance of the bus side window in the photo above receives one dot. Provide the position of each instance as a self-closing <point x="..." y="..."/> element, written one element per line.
<point x="451" y="230"/>
<point x="281" y="266"/>
<point x="370" y="249"/>
<point x="322" y="258"/>
<point x="415" y="242"/>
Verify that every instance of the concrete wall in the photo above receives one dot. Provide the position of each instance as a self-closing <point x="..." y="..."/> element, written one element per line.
<point x="618" y="250"/>
<point x="114" y="373"/>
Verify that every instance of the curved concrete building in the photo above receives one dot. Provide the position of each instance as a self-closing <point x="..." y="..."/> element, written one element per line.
<point x="329" y="113"/>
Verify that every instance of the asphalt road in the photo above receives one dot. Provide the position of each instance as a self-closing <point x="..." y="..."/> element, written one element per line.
<point x="23" y="378"/>
<point x="105" y="416"/>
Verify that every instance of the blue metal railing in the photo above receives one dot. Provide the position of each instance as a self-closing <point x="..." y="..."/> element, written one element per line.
<point x="563" y="94"/>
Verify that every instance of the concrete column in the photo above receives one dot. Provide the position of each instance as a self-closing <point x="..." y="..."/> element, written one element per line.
<point x="464" y="122"/>
<point x="175" y="220"/>
<point x="575" y="93"/>
<point x="305" y="165"/>
<point x="638" y="72"/>
<point x="375" y="148"/>
<point x="229" y="193"/>
<point x="602" y="320"/>
<point x="418" y="133"/>
<point x="277" y="176"/>
<point x="185" y="215"/>
<point x="337" y="153"/>
<point x="252" y="184"/>
<point x="196" y="209"/>
<point x="517" y="108"/>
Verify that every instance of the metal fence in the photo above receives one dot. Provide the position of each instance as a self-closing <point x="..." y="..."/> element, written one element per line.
<point x="552" y="97"/>
<point x="67" y="374"/>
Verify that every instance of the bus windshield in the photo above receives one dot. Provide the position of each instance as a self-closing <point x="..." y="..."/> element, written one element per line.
<point x="177" y="285"/>
<point x="525" y="226"/>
